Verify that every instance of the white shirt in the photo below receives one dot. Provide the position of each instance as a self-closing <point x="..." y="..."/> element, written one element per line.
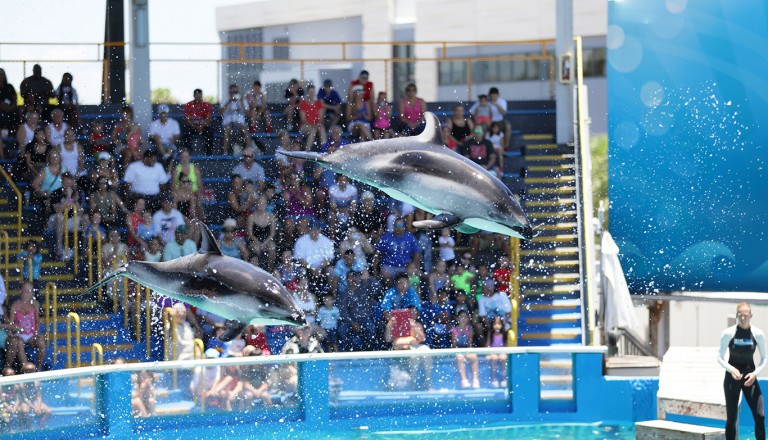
<point x="165" y="224"/>
<point x="496" y="115"/>
<point x="146" y="180"/>
<point x="166" y="131"/>
<point x="313" y="252"/>
<point x="343" y="198"/>
<point x="498" y="301"/>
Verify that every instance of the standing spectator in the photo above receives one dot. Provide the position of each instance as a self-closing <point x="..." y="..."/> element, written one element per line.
<point x="331" y="102"/>
<point x="382" y="115"/>
<point x="358" y="330"/>
<point x="312" y="116"/>
<point x="447" y="243"/>
<point x="481" y="111"/>
<point x="198" y="116"/>
<point x="68" y="100"/>
<point x="498" y="112"/>
<point x="293" y="95"/>
<point x="167" y="220"/>
<point x="164" y="133"/>
<point x="54" y="132"/>
<point x="9" y="117"/>
<point x="480" y="150"/>
<point x="260" y="229"/>
<point x="25" y="314"/>
<point x="180" y="246"/>
<point x="36" y="89"/>
<point x="328" y="317"/>
<point x="395" y="250"/>
<point x="411" y="111"/>
<point x="249" y="169"/>
<point x="146" y="179"/>
<point x="233" y="118"/>
<point x="314" y="251"/>
<point x="256" y="104"/>
<point x="367" y="87"/>
<point x="359" y="115"/>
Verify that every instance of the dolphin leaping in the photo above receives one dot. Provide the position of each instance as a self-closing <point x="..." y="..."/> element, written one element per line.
<point x="421" y="171"/>
<point x="228" y="287"/>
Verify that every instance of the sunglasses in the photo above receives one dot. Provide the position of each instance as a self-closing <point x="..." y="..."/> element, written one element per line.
<point x="247" y="155"/>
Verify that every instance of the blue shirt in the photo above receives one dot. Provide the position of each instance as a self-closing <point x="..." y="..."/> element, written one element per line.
<point x="36" y="261"/>
<point x="332" y="98"/>
<point x="397" y="251"/>
<point x="394" y="301"/>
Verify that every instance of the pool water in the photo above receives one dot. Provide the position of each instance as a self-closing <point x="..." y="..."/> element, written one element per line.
<point x="528" y="432"/>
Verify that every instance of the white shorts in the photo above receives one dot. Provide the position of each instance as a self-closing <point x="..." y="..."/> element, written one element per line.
<point x="25" y="337"/>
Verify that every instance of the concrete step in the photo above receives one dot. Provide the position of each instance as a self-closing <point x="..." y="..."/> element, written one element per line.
<point x="557" y="238"/>
<point x="559" y="168"/>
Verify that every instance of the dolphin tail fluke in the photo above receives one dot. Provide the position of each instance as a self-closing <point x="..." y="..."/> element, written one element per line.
<point x="438" y="222"/>
<point x="305" y="155"/>
<point x="233" y="330"/>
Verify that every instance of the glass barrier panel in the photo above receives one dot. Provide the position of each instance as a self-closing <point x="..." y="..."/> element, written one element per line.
<point x="47" y="404"/>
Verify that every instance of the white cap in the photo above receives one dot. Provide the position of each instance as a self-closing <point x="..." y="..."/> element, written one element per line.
<point x="104" y="156"/>
<point x="230" y="223"/>
<point x="163" y="108"/>
<point x="212" y="353"/>
<point x="367" y="195"/>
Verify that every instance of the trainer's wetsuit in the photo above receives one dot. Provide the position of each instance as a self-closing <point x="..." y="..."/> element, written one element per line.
<point x="741" y="344"/>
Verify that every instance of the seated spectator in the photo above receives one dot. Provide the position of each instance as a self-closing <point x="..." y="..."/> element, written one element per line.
<point x="186" y="331"/>
<point x="166" y="220"/>
<point x="9" y="118"/>
<point x="364" y="84"/>
<point x="399" y="297"/>
<point x="12" y="419"/>
<point x="106" y="203"/>
<point x="256" y="336"/>
<point x="496" y="135"/>
<point x="154" y="252"/>
<point x="496" y="338"/>
<point x="126" y="138"/>
<point x="492" y="304"/>
<point x="359" y="244"/>
<point x="335" y="140"/>
<point x="31" y="261"/>
<point x="68" y="100"/>
<point x="438" y="278"/>
<point x="66" y="202"/>
<point x="359" y="114"/>
<point x="462" y="337"/>
<point x="448" y="140"/>
<point x="302" y="342"/>
<point x="311" y="117"/>
<point x="343" y="197"/>
<point x="25" y="315"/>
<point x="260" y="229"/>
<point x="164" y="134"/>
<point x="356" y="304"/>
<point x="95" y="229"/>
<point x="328" y="319"/>
<point x="298" y="203"/>
<point x="481" y="111"/>
<point x="382" y="118"/>
<point x="242" y="199"/>
<point x="147" y="230"/>
<point x="461" y="127"/>
<point x="32" y="397"/>
<point x="198" y="116"/>
<point x="346" y="264"/>
<point x="99" y="140"/>
<point x="331" y="103"/>
<point x="395" y="250"/>
<point x="418" y="368"/>
<point x="411" y="111"/>
<point x="132" y="222"/>
<point x="464" y="275"/>
<point x="305" y="300"/>
<point x="143" y="396"/>
<point x="288" y="271"/>
<point x="438" y="314"/>
<point x="255" y="384"/>
<point x="36" y="89"/>
<point x="256" y="105"/>
<point x="33" y="157"/>
<point x="185" y="200"/>
<point x="114" y="251"/>
<point x="72" y="157"/>
<point x="230" y="244"/>
<point x="233" y="113"/>
<point x="293" y="95"/>
<point x="25" y="132"/>
<point x="367" y="218"/>
<point x="105" y="167"/>
<point x="146" y="179"/>
<point x="205" y="381"/>
<point x="249" y="169"/>
<point x="315" y="252"/>
<point x="181" y="245"/>
<point x="498" y="112"/>
<point x="480" y="150"/>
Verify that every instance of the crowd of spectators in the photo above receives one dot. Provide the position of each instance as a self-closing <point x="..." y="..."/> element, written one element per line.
<point x="350" y="255"/>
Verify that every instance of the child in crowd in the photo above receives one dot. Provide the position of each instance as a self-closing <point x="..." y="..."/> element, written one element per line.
<point x="143" y="394"/>
<point x="382" y="125"/>
<point x="99" y="139"/>
<point x="146" y="229"/>
<point x="449" y="140"/>
<point x="446" y="243"/>
<point x="497" y="337"/>
<point x="31" y="255"/>
<point x="328" y="317"/>
<point x="32" y="397"/>
<point x="438" y="278"/>
<point x="461" y="337"/>
<point x="496" y="136"/>
<point x="256" y="336"/>
<point x="154" y="251"/>
<point x="482" y="112"/>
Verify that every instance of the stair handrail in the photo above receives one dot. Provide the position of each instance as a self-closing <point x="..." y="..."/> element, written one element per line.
<point x="51" y="316"/>
<point x="98" y="260"/>
<point x="72" y="316"/>
<point x="126" y="305"/>
<point x="148" y="319"/>
<point x="200" y="348"/>
<point x="170" y="350"/>
<point x="5" y="241"/>
<point x="97" y="354"/>
<point x="74" y="236"/>
<point x="19" y="201"/>
<point x="114" y="285"/>
<point x="137" y="312"/>
<point x="30" y="261"/>
<point x="630" y="339"/>
<point x="514" y="291"/>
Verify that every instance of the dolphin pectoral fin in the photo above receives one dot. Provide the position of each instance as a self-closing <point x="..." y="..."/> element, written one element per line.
<point x="432" y="133"/>
<point x="233" y="330"/>
<point x="306" y="155"/>
<point x="208" y="243"/>
<point x="466" y="229"/>
<point x="441" y="221"/>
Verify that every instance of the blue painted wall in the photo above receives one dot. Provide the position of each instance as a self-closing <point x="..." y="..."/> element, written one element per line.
<point x="688" y="163"/>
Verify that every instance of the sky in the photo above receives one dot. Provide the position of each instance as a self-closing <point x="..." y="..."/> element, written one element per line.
<point x="82" y="21"/>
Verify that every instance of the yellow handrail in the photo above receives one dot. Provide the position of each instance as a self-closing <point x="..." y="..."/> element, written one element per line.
<point x="137" y="312"/>
<point x="97" y="354"/>
<point x="170" y="350"/>
<point x="19" y="201"/>
<point x="514" y="291"/>
<point x="51" y="316"/>
<point x="6" y="243"/>
<point x="148" y="319"/>
<point x="72" y="316"/>
<point x="200" y="348"/>
<point x="98" y="260"/>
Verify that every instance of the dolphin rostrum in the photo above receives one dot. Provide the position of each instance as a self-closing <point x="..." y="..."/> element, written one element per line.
<point x="421" y="171"/>
<point x="228" y="287"/>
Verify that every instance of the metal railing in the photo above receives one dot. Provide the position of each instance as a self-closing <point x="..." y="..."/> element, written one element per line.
<point x="629" y="344"/>
<point x="97" y="354"/>
<point x="51" y="317"/>
<point x="170" y="349"/>
<point x="99" y="270"/>
<point x="115" y="290"/>
<point x="75" y="228"/>
<point x="200" y="354"/>
<point x="5" y="243"/>
<point x="514" y="291"/>
<point x="19" y="201"/>
<point x="73" y="317"/>
<point x="148" y="319"/>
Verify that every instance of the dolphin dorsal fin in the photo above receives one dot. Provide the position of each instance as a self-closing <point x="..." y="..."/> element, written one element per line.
<point x="208" y="244"/>
<point x="432" y="133"/>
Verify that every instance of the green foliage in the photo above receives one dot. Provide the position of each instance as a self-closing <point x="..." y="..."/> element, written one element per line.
<point x="599" y="151"/>
<point x="163" y="96"/>
<point x="210" y="99"/>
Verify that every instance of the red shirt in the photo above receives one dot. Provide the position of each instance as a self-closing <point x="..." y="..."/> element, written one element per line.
<point x="258" y="340"/>
<point x="311" y="111"/>
<point x="367" y="88"/>
<point x="198" y="111"/>
<point x="501" y="276"/>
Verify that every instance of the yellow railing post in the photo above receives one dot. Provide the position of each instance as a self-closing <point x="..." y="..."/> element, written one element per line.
<point x="97" y="354"/>
<point x="75" y="245"/>
<point x="51" y="316"/>
<point x="72" y="316"/>
<point x="137" y="312"/>
<point x="65" y="251"/>
<point x="98" y="259"/>
<point x="19" y="202"/>
<point x="199" y="353"/>
<point x="148" y="319"/>
<point x="74" y="236"/>
<point x="169" y="340"/>
<point x="6" y="243"/>
<point x="514" y="291"/>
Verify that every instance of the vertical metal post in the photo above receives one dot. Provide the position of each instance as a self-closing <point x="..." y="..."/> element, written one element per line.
<point x="564" y="91"/>
<point x="72" y="316"/>
<point x="148" y="319"/>
<point x="137" y="312"/>
<point x="514" y="291"/>
<point x="139" y="62"/>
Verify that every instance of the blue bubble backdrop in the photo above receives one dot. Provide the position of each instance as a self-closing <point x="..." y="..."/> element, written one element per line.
<point x="688" y="125"/>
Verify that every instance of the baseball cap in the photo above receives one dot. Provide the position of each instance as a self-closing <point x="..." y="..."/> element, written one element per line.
<point x="229" y="223"/>
<point x="328" y="82"/>
<point x="163" y="108"/>
<point x="212" y="353"/>
<point x="200" y="91"/>
<point x="367" y="195"/>
<point x="104" y="156"/>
